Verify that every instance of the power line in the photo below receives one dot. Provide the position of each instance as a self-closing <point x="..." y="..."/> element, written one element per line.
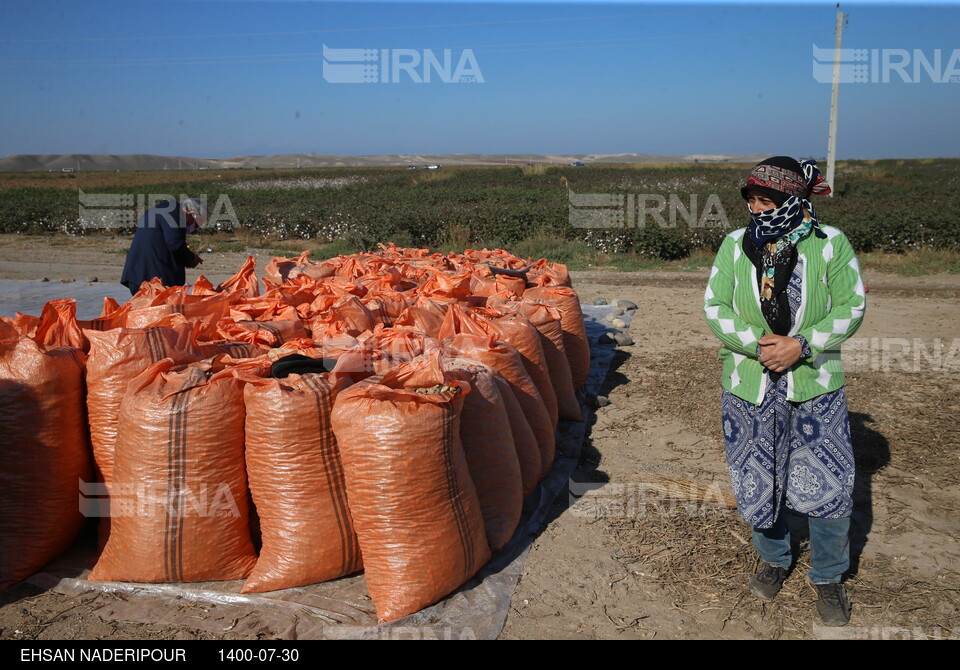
<point x="374" y="29"/>
<point x="487" y="48"/>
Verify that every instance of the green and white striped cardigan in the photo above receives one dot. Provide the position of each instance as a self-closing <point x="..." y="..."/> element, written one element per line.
<point x="831" y="309"/>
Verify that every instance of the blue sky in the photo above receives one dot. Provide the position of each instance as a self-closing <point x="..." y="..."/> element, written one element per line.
<point x="210" y="78"/>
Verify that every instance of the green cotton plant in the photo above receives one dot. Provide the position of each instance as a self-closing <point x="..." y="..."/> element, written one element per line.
<point x="664" y="243"/>
<point x="38" y="210"/>
<point x="890" y="206"/>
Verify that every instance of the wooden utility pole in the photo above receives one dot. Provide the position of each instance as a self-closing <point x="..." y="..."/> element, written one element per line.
<point x="834" y="102"/>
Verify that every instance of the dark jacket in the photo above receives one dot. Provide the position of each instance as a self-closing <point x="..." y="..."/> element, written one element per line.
<point x="159" y="248"/>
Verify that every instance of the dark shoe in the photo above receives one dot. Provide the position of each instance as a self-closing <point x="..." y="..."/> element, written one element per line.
<point x="766" y="583"/>
<point x="834" y="607"/>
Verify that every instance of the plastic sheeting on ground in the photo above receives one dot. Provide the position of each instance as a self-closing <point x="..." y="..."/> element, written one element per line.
<point x="29" y="297"/>
<point x="342" y="609"/>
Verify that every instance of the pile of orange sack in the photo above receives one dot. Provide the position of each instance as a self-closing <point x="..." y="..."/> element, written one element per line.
<point x="385" y="412"/>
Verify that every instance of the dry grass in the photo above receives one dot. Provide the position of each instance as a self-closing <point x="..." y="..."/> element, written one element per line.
<point x="458" y="238"/>
<point x="703" y="558"/>
<point x="900" y="414"/>
<point x="912" y="263"/>
<point x="424" y="176"/>
<point x="703" y="563"/>
<point x="539" y="168"/>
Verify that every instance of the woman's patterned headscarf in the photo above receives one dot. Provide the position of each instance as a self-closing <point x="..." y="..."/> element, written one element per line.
<point x="790" y="189"/>
<point x="775" y="232"/>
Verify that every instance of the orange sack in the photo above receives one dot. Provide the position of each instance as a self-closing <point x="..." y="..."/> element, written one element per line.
<point x="546" y="319"/>
<point x="112" y="316"/>
<point x="490" y="451"/>
<point x="419" y="318"/>
<point x="528" y="452"/>
<point x="58" y="326"/>
<point x="412" y="499"/>
<point x="575" y="342"/>
<point x="207" y="310"/>
<point x="505" y="359"/>
<point x="264" y="334"/>
<point x="297" y="482"/>
<point x="232" y="348"/>
<point x="46" y="453"/>
<point x="516" y="329"/>
<point x="179" y="499"/>
<point x="116" y="357"/>
<point x="244" y="281"/>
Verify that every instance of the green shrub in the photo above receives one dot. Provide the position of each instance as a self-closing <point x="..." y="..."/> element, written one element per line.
<point x="891" y="206"/>
<point x="664" y="243"/>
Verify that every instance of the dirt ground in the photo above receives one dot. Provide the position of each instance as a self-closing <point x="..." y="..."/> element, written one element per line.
<point x="644" y="546"/>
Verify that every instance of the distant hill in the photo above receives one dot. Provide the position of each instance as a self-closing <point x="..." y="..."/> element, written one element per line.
<point x="121" y="162"/>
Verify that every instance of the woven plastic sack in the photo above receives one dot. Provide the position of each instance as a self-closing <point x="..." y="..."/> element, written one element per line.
<point x="524" y="441"/>
<point x="410" y="491"/>
<point x="206" y="310"/>
<point x="264" y="334"/>
<point x="547" y="320"/>
<point x="490" y="451"/>
<point x="544" y="273"/>
<point x="46" y="453"/>
<point x="575" y="342"/>
<point x="506" y="361"/>
<point x="112" y="316"/>
<point x="281" y="269"/>
<point x="232" y="348"/>
<point x="348" y="310"/>
<point x="245" y="281"/>
<point x="421" y="319"/>
<point x="386" y="304"/>
<point x="179" y="501"/>
<point x="263" y="309"/>
<point x="58" y="326"/>
<point x="297" y="482"/>
<point x="154" y="292"/>
<point x="515" y="329"/>
<point x="399" y="345"/>
<point x="116" y="357"/>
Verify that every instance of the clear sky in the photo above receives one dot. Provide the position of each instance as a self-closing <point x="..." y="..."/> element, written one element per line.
<point x="211" y="78"/>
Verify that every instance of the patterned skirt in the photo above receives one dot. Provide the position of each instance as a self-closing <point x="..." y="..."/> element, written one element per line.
<point x="783" y="452"/>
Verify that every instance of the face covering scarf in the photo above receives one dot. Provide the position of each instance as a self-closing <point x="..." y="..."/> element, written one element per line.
<point x="773" y="224"/>
<point x="775" y="233"/>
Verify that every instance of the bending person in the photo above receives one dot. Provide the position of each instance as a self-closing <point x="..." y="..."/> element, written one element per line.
<point x="159" y="248"/>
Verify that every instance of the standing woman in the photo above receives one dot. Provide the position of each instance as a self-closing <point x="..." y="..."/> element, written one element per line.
<point x="783" y="294"/>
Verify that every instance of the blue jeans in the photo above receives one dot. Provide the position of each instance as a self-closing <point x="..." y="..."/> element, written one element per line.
<point x="829" y="547"/>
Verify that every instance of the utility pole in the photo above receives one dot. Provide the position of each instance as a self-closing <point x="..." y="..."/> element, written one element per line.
<point x="834" y="102"/>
